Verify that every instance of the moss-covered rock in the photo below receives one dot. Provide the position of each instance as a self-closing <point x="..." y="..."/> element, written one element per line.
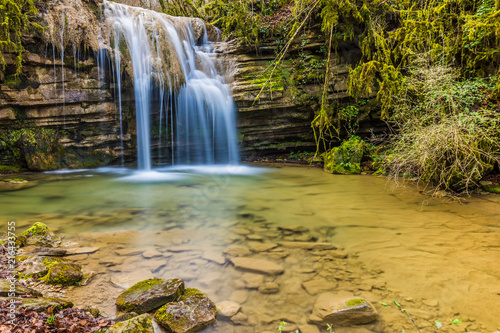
<point x="190" y="315"/>
<point x="191" y="292"/>
<point x="490" y="186"/>
<point x="342" y="311"/>
<point x="64" y="273"/>
<point x="149" y="294"/>
<point x="37" y="229"/>
<point x="139" y="324"/>
<point x="345" y="159"/>
<point x="6" y="289"/>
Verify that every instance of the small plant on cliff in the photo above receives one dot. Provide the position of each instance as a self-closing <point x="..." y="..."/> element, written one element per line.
<point x="16" y="18"/>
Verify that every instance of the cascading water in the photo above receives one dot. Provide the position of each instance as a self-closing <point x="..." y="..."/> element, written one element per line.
<point x="174" y="73"/>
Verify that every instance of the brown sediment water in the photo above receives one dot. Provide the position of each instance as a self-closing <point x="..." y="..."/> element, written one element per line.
<point x="438" y="258"/>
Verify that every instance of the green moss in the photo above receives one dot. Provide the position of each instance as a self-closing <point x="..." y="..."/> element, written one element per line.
<point x="49" y="262"/>
<point x="63" y="273"/>
<point x="191" y="292"/>
<point x="9" y="169"/>
<point x="345" y="159"/>
<point x="354" y="302"/>
<point x="170" y="320"/>
<point x="38" y="229"/>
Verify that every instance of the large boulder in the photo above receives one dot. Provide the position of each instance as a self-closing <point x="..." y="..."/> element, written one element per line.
<point x="149" y="294"/>
<point x="342" y="311"/>
<point x="190" y="315"/>
<point x="139" y="324"/>
<point x="64" y="273"/>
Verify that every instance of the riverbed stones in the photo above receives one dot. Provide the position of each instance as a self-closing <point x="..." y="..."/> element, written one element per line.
<point x="187" y="316"/>
<point x="138" y="324"/>
<point x="237" y="251"/>
<point x="149" y="294"/>
<point x="257" y="265"/>
<point x="239" y="319"/>
<point x="308" y="245"/>
<point x="64" y="273"/>
<point x="264" y="247"/>
<point x="227" y="309"/>
<point x="342" y="311"/>
<point x="252" y="281"/>
<point x="318" y="285"/>
<point x="151" y="253"/>
<point x="126" y="281"/>
<point x="214" y="257"/>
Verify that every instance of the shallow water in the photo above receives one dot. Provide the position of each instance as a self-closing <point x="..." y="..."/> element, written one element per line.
<point x="436" y="257"/>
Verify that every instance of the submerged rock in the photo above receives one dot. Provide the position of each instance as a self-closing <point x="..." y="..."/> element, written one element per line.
<point x="139" y="324"/>
<point x="309" y="245"/>
<point x="342" y="311"/>
<point x="64" y="273"/>
<point x="257" y="265"/>
<point x="190" y="315"/>
<point x="489" y="186"/>
<point x="227" y="309"/>
<point x="149" y="294"/>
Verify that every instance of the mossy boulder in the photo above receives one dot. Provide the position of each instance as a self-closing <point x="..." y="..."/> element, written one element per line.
<point x="187" y="316"/>
<point x="149" y="294"/>
<point x="345" y="159"/>
<point x="138" y="324"/>
<point x="37" y="229"/>
<point x="64" y="273"/>
<point x="342" y="311"/>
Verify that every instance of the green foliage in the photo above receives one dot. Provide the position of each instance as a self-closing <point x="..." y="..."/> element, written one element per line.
<point x="51" y="319"/>
<point x="16" y="17"/>
<point x="449" y="133"/>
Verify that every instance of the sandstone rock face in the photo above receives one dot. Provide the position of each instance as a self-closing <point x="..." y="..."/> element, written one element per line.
<point x="190" y="315"/>
<point x="149" y="294"/>
<point x="342" y="311"/>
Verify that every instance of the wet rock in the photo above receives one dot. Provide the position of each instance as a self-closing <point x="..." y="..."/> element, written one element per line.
<point x="39" y="304"/>
<point x="88" y="277"/>
<point x="81" y="250"/>
<point x="138" y="324"/>
<point x="239" y="319"/>
<point x="252" y="281"/>
<point x="37" y="229"/>
<point x="190" y="315"/>
<point x="430" y="302"/>
<point x="254" y="237"/>
<point x="308" y="329"/>
<point x="237" y="251"/>
<point x="292" y="285"/>
<point x="125" y="316"/>
<point x="64" y="273"/>
<point x="126" y="281"/>
<point x="6" y="289"/>
<point x="342" y="311"/>
<point x="257" y="265"/>
<point x="129" y="252"/>
<point x="227" y="309"/>
<point x="318" y="285"/>
<point x="269" y="288"/>
<point x="149" y="294"/>
<point x="264" y="247"/>
<point x="191" y="292"/>
<point x="308" y="245"/>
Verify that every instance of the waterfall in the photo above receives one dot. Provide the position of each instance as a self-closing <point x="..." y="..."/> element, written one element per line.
<point x="174" y="74"/>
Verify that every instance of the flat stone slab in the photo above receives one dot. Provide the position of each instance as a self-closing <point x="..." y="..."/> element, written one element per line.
<point x="343" y="311"/>
<point x="318" y="285"/>
<point x="39" y="304"/>
<point x="7" y="288"/>
<point x="309" y="245"/>
<point x="149" y="294"/>
<point x="214" y="257"/>
<point x="257" y="265"/>
<point x="81" y="250"/>
<point x="187" y="316"/>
